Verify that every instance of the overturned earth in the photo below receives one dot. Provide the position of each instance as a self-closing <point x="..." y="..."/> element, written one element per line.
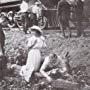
<point x="15" y="48"/>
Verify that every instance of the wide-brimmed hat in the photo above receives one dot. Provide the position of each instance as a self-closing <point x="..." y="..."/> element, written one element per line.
<point x="10" y="12"/>
<point x="37" y="3"/>
<point x="37" y="28"/>
<point x="3" y="13"/>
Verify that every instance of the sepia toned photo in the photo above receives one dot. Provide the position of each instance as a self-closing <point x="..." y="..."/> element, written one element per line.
<point x="44" y="44"/>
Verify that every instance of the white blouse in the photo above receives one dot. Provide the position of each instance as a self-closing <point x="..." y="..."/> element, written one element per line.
<point x="36" y="10"/>
<point x="36" y="42"/>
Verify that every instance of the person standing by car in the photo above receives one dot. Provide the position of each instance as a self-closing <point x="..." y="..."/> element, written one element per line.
<point x="23" y="10"/>
<point x="79" y="17"/>
<point x="36" y="11"/>
<point x="64" y="16"/>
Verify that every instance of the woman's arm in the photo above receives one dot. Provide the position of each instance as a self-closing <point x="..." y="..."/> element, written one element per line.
<point x="63" y="64"/>
<point x="31" y="42"/>
<point x="43" y="67"/>
<point x="44" y="43"/>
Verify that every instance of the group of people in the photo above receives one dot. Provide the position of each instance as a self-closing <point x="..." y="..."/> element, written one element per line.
<point x="64" y="11"/>
<point x="34" y="63"/>
<point x="30" y="15"/>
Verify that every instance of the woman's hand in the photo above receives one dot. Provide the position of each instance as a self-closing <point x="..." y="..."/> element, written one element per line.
<point x="49" y="79"/>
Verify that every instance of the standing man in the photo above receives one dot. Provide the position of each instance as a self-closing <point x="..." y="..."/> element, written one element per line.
<point x="79" y="17"/>
<point x="37" y="11"/>
<point x="64" y="16"/>
<point x="23" y="9"/>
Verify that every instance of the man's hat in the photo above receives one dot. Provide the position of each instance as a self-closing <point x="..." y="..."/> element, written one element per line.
<point x="36" y="28"/>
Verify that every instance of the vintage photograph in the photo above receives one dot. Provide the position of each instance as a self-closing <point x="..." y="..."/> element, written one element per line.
<point x="44" y="44"/>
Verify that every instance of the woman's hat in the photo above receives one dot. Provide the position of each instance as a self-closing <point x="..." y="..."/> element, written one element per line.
<point x="37" y="28"/>
<point x="2" y="13"/>
<point x="10" y="12"/>
<point x="37" y="3"/>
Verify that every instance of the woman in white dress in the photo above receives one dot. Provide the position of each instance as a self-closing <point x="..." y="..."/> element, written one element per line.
<point x="35" y="43"/>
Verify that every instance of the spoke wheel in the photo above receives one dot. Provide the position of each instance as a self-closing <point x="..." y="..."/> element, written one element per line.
<point x="42" y="22"/>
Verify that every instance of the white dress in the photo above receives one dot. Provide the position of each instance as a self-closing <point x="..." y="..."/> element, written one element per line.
<point x="34" y="57"/>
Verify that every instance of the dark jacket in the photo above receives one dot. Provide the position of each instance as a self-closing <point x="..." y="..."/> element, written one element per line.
<point x="63" y="6"/>
<point x="2" y="35"/>
<point x="79" y="7"/>
<point x="79" y="11"/>
<point x="63" y="13"/>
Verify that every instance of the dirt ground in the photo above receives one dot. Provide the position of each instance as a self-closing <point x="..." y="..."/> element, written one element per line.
<point x="78" y="49"/>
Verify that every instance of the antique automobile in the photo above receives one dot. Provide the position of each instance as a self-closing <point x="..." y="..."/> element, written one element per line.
<point x="42" y="20"/>
<point x="49" y="15"/>
<point x="16" y="19"/>
<point x="9" y="7"/>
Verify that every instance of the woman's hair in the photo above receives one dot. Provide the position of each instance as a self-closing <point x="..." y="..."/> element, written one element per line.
<point x="53" y="59"/>
<point x="53" y="55"/>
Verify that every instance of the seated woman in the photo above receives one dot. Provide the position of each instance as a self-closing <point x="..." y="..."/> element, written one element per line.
<point x="54" y="63"/>
<point x="35" y="43"/>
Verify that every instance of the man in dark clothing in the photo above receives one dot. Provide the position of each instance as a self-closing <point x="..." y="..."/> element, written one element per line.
<point x="25" y="20"/>
<point x="64" y="15"/>
<point x="79" y="17"/>
<point x="2" y="41"/>
<point x="23" y="10"/>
